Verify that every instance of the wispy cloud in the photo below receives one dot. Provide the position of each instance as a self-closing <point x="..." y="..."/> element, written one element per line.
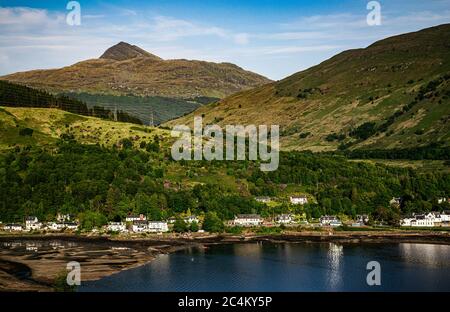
<point x="272" y="47"/>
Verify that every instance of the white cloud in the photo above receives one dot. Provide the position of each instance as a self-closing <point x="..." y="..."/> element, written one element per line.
<point x="37" y="38"/>
<point x="167" y="28"/>
<point x="241" y="38"/>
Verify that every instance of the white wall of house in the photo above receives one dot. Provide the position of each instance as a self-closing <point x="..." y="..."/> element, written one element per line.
<point x="248" y="221"/>
<point x="13" y="227"/>
<point x="133" y="218"/>
<point x="285" y="219"/>
<point x="298" y="200"/>
<point x="156" y="226"/>
<point x="116" y="226"/>
<point x="33" y="226"/>
<point x="427" y="220"/>
<point x="191" y="219"/>
<point x="139" y="228"/>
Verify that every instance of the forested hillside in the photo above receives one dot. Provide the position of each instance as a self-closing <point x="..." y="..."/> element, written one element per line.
<point x="14" y="95"/>
<point x="108" y="183"/>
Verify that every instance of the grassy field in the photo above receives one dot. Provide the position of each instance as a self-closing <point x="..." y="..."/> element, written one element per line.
<point x="49" y="124"/>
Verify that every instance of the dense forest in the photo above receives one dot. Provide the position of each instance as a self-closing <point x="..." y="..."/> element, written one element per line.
<point x="431" y="151"/>
<point x="101" y="184"/>
<point x="14" y="95"/>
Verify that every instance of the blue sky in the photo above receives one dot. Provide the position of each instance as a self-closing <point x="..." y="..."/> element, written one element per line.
<point x="273" y="38"/>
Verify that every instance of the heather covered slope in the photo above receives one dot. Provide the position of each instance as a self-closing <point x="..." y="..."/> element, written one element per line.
<point x="393" y="94"/>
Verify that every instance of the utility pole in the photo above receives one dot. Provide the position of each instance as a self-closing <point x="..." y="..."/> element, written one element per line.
<point x="151" y="119"/>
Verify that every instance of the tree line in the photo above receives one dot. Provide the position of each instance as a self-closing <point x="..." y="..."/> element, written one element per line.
<point x="15" y="95"/>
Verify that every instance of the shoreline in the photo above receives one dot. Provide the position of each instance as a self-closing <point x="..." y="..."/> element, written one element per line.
<point x="102" y="256"/>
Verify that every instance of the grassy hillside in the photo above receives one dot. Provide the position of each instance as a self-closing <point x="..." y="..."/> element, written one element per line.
<point x="392" y="94"/>
<point x="49" y="124"/>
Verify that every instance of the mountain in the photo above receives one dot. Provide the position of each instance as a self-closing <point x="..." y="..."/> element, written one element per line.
<point x="125" y="69"/>
<point x="393" y="94"/>
<point x="125" y="51"/>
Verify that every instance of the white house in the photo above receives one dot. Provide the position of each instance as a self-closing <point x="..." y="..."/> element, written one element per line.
<point x="445" y="216"/>
<point x="443" y="200"/>
<point x="72" y="226"/>
<point x="53" y="226"/>
<point x="395" y="201"/>
<point x="132" y="218"/>
<point x="406" y="221"/>
<point x="426" y="220"/>
<point x="191" y="219"/>
<point x="362" y="219"/>
<point x="32" y="223"/>
<point x="60" y="217"/>
<point x="140" y="226"/>
<point x="330" y="221"/>
<point x="59" y="226"/>
<point x="13" y="227"/>
<point x="263" y="199"/>
<point x="285" y="219"/>
<point x="248" y="220"/>
<point x="116" y="226"/>
<point x="157" y="226"/>
<point x="437" y="218"/>
<point x="422" y="220"/>
<point x="298" y="200"/>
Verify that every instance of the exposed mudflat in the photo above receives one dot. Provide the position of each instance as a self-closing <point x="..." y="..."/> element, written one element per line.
<point x="32" y="262"/>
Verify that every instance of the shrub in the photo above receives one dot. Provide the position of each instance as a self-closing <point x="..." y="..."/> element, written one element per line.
<point x="26" y="132"/>
<point x="212" y="223"/>
<point x="180" y="226"/>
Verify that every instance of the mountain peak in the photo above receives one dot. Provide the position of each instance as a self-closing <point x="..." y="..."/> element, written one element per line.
<point x="125" y="51"/>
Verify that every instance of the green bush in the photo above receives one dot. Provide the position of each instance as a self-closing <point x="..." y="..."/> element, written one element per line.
<point x="234" y="230"/>
<point x="194" y="227"/>
<point x="26" y="132"/>
<point x="180" y="226"/>
<point x="213" y="223"/>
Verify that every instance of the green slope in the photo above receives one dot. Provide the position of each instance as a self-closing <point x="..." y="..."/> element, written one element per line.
<point x="401" y="85"/>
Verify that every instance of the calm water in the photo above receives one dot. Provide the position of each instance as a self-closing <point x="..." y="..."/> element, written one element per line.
<point x="288" y="267"/>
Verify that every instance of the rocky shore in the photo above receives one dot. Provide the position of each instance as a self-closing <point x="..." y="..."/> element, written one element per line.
<point x="32" y="262"/>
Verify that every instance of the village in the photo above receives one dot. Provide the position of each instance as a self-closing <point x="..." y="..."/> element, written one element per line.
<point x="139" y="223"/>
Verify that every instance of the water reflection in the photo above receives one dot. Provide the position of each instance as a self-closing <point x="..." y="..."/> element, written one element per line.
<point x="429" y="254"/>
<point x="335" y="256"/>
<point x="263" y="266"/>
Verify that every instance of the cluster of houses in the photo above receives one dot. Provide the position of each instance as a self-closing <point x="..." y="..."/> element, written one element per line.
<point x="63" y="222"/>
<point x="295" y="200"/>
<point x="138" y="224"/>
<point x="250" y="220"/>
<point x="430" y="219"/>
